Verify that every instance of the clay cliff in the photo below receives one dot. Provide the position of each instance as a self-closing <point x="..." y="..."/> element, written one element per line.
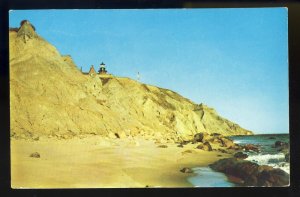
<point x="49" y="96"/>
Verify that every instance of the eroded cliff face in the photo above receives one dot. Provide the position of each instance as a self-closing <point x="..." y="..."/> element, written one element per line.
<point x="50" y="96"/>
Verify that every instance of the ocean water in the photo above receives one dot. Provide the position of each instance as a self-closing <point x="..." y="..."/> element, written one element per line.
<point x="268" y="155"/>
<point x="206" y="177"/>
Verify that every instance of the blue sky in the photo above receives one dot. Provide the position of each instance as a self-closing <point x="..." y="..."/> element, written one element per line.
<point x="234" y="60"/>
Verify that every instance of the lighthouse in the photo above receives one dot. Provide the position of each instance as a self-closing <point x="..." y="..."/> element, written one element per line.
<point x="102" y="69"/>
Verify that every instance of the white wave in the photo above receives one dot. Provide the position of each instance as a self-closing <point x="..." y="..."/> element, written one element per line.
<point x="238" y="141"/>
<point x="276" y="161"/>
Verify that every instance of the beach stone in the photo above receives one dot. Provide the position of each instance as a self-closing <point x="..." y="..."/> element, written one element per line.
<point x="198" y="137"/>
<point x="35" y="155"/>
<point x="120" y="135"/>
<point x="162" y="146"/>
<point x="36" y="138"/>
<point x="184" y="142"/>
<point x="186" y="170"/>
<point x="187" y="152"/>
<point x="240" y="155"/>
<point x="180" y="145"/>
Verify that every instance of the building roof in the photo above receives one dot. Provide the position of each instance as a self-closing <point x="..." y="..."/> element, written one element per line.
<point x="92" y="70"/>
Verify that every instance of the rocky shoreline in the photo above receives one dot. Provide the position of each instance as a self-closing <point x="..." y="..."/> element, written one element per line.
<point x="239" y="171"/>
<point x="247" y="173"/>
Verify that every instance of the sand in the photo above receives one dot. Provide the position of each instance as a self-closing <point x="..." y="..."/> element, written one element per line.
<point x="95" y="162"/>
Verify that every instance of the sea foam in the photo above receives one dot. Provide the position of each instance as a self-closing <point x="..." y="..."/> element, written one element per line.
<point x="274" y="160"/>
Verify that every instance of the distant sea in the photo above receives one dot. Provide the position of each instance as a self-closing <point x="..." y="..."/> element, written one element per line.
<point x="268" y="155"/>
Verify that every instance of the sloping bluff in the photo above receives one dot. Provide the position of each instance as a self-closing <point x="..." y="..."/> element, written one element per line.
<point x="49" y="96"/>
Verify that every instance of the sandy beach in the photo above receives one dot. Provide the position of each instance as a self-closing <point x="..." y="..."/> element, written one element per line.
<point x="95" y="162"/>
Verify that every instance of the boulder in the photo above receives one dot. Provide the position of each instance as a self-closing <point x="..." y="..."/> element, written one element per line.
<point x="35" y="155"/>
<point x="162" y="146"/>
<point x="240" y="155"/>
<point x="251" y="173"/>
<point x="225" y="142"/>
<point x="120" y="135"/>
<point x="251" y="147"/>
<point x="188" y="152"/>
<point x="274" y="177"/>
<point x="280" y="144"/>
<point x="198" y="137"/>
<point x="186" y="170"/>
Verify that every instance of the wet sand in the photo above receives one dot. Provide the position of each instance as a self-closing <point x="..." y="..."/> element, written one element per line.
<point x="95" y="162"/>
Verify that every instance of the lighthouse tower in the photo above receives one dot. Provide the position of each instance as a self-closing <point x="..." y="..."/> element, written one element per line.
<point x="102" y="69"/>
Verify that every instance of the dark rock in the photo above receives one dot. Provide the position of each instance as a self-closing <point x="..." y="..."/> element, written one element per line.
<point x="275" y="177"/>
<point x="188" y="152"/>
<point x="198" y="137"/>
<point x="280" y="144"/>
<point x="36" y="138"/>
<point x="251" y="147"/>
<point x="162" y="146"/>
<point x="226" y="142"/>
<point x="240" y="155"/>
<point x="251" y="173"/>
<point x="219" y="155"/>
<point x="184" y="142"/>
<point x="180" y="145"/>
<point x="186" y="170"/>
<point x="35" y="155"/>
<point x="236" y="180"/>
<point x="207" y="146"/>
